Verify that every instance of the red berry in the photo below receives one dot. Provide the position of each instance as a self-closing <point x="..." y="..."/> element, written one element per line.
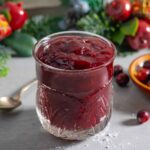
<point x="142" y="38"/>
<point x="143" y="75"/>
<point x="146" y="64"/>
<point x="117" y="70"/>
<point x="119" y="10"/>
<point x="143" y="116"/>
<point x="122" y="79"/>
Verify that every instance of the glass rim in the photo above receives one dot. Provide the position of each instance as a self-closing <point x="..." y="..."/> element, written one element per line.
<point x="72" y="33"/>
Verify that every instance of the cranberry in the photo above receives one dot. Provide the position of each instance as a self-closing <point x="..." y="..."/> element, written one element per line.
<point x="122" y="79"/>
<point x="73" y="53"/>
<point x="142" y="37"/>
<point x="143" y="116"/>
<point x="117" y="70"/>
<point x="119" y="10"/>
<point x="143" y="75"/>
<point x="146" y="64"/>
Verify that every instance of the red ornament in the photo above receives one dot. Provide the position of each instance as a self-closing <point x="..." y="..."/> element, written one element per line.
<point x="119" y="10"/>
<point x="142" y="38"/>
<point x="18" y="15"/>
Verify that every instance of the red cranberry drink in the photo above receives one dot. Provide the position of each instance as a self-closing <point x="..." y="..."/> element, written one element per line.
<point x="74" y="72"/>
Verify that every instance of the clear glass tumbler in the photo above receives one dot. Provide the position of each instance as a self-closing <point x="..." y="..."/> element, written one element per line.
<point x="73" y="104"/>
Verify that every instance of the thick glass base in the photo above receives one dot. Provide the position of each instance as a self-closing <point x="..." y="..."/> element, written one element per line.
<point x="73" y="134"/>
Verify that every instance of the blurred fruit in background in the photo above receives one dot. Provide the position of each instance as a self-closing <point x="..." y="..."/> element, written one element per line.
<point x="141" y="8"/>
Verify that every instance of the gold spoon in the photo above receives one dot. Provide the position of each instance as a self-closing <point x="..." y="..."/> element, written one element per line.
<point x="12" y="102"/>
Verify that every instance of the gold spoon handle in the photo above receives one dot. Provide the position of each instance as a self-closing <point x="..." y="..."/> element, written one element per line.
<point x="24" y="88"/>
<point x="27" y="86"/>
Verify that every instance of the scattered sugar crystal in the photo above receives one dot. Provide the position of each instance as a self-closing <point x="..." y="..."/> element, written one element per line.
<point x="112" y="135"/>
<point x="106" y="139"/>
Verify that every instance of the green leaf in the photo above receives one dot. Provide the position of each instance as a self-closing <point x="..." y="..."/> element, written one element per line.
<point x="118" y="37"/>
<point x="22" y="43"/>
<point x="96" y="5"/>
<point x="130" y="27"/>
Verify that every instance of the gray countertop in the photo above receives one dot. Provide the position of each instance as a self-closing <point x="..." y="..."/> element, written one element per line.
<point x="21" y="129"/>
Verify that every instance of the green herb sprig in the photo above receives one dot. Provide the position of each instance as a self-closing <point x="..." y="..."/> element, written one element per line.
<point x="4" y="56"/>
<point x="41" y="26"/>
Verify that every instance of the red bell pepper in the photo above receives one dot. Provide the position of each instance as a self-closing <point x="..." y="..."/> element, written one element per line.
<point x="5" y="29"/>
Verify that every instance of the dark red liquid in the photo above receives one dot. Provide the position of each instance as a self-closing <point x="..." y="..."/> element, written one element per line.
<point x="75" y="100"/>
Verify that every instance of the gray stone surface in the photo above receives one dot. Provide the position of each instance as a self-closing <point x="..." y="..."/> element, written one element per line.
<point x="21" y="129"/>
